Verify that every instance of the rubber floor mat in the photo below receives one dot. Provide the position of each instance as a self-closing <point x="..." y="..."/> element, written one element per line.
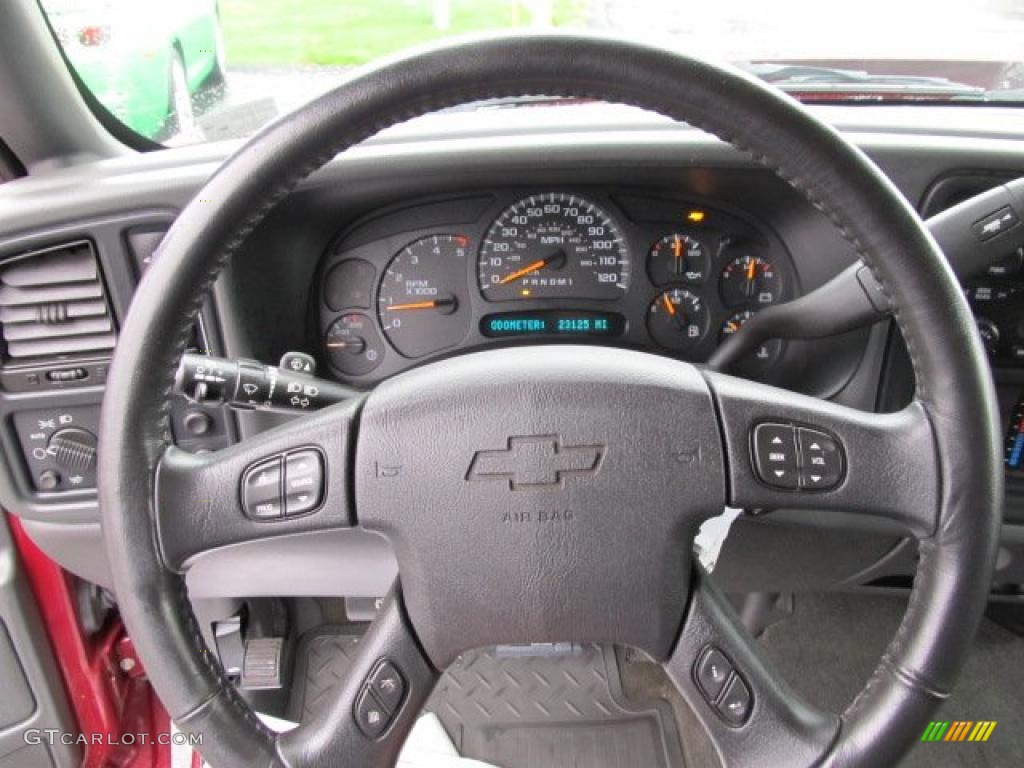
<point x="520" y="711"/>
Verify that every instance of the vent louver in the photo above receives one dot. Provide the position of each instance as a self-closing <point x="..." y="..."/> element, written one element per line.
<point x="53" y="304"/>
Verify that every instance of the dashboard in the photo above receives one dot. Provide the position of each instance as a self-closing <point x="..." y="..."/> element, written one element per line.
<point x="568" y="225"/>
<point x="668" y="274"/>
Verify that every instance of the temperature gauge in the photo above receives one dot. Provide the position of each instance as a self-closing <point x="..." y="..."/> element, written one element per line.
<point x="750" y="279"/>
<point x="353" y="345"/>
<point x="677" y="319"/>
<point x="678" y="258"/>
<point x="761" y="357"/>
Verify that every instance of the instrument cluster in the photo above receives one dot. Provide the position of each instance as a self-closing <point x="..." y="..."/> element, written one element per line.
<point x="665" y="274"/>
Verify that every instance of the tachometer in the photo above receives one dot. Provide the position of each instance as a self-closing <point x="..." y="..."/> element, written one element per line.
<point x="422" y="297"/>
<point x="553" y="245"/>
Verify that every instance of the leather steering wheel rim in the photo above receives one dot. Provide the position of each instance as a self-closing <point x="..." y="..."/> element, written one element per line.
<point x="954" y="411"/>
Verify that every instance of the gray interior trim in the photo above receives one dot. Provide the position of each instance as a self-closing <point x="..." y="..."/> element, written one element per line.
<point x="78" y="547"/>
<point x="349" y="563"/>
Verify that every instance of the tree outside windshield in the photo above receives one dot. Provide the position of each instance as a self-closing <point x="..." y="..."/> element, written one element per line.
<point x="186" y="71"/>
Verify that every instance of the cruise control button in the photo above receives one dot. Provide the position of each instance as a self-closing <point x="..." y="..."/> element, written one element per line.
<point x="736" y="702"/>
<point x="775" y="455"/>
<point x="713" y="670"/>
<point x="821" y="462"/>
<point x="371" y="717"/>
<point x="261" y="490"/>
<point x="303" y="482"/>
<point x="387" y="684"/>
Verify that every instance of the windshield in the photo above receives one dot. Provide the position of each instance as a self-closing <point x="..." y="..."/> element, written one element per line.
<point x="186" y="71"/>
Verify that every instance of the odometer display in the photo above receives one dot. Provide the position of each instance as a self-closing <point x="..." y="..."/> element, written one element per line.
<point x="553" y="245"/>
<point x="552" y="323"/>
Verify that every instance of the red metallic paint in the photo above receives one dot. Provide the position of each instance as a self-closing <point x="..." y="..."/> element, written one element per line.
<point x="106" y="684"/>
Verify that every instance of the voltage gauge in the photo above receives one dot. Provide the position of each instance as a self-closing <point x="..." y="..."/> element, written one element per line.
<point x="751" y="280"/>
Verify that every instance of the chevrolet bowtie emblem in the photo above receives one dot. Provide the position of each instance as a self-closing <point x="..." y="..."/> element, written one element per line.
<point x="535" y="461"/>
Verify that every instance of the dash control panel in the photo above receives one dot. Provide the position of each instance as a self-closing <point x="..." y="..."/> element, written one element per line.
<point x="59" y="446"/>
<point x="796" y="458"/>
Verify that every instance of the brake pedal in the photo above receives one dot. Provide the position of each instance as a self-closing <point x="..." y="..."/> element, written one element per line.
<point x="262" y="664"/>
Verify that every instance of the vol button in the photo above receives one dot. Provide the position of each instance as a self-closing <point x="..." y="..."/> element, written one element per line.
<point x="821" y="463"/>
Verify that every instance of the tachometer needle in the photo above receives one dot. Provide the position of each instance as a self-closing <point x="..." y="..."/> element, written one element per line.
<point x="435" y="304"/>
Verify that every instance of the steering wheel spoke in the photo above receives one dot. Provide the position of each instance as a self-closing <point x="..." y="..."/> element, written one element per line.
<point x="786" y="450"/>
<point x="376" y="705"/>
<point x="291" y="479"/>
<point x="749" y="712"/>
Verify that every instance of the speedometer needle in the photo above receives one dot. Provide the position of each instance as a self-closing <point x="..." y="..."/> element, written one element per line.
<point x="536" y="266"/>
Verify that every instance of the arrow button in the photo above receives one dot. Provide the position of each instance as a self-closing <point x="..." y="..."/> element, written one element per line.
<point x="821" y="460"/>
<point x="775" y="455"/>
<point x="303" y="482"/>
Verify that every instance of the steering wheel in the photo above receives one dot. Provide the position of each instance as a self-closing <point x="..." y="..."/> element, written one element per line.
<point x="593" y="542"/>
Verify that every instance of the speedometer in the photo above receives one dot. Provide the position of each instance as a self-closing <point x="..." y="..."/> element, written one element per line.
<point x="554" y="245"/>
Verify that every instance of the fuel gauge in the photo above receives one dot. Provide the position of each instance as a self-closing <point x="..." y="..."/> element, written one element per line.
<point x="677" y="319"/>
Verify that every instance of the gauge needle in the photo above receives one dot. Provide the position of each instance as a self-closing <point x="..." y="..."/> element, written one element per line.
<point x="435" y="304"/>
<point x="751" y="269"/>
<point x="677" y="253"/>
<point x="669" y="306"/>
<point x="536" y="266"/>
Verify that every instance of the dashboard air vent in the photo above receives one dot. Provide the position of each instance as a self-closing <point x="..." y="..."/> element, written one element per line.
<point x="53" y="304"/>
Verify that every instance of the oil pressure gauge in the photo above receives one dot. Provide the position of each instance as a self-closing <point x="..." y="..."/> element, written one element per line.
<point x="678" y="258"/>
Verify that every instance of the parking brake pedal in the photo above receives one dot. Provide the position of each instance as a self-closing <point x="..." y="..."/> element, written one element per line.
<point x="262" y="664"/>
